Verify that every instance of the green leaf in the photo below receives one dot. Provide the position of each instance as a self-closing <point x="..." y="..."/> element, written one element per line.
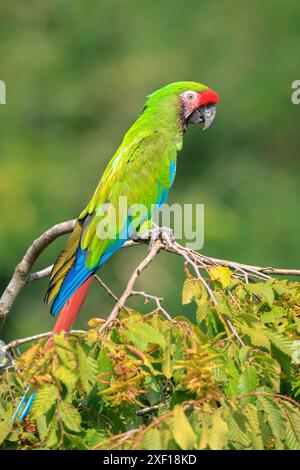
<point x="248" y="381"/>
<point x="105" y="367"/>
<point x="292" y="431"/>
<point x="67" y="377"/>
<point x="218" y="435"/>
<point x="64" y="351"/>
<point x="182" y="431"/>
<point x="201" y="312"/>
<point x="152" y="440"/>
<point x="70" y="416"/>
<point x="5" y="426"/>
<point x="42" y="427"/>
<point x="167" y="369"/>
<point x="142" y="334"/>
<point x="281" y="342"/>
<point x="53" y="435"/>
<point x="244" y="354"/>
<point x="76" y="442"/>
<point x="45" y="398"/>
<point x="237" y="428"/>
<point x="273" y="415"/>
<point x="251" y="413"/>
<point x="88" y="369"/>
<point x="257" y="335"/>
<point x="263" y="291"/>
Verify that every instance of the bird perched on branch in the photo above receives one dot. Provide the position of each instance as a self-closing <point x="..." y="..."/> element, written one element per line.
<point x="142" y="171"/>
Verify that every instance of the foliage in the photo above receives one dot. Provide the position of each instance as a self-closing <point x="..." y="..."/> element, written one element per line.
<point x="230" y="382"/>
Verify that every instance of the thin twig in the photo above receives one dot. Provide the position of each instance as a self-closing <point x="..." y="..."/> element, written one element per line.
<point x="18" y="342"/>
<point x="105" y="287"/>
<point x="156" y="299"/>
<point x="109" y="291"/>
<point x="235" y="333"/>
<point x="32" y="277"/>
<point x="149" y="409"/>
<point x="130" y="285"/>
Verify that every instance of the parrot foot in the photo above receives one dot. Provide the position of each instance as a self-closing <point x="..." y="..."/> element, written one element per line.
<point x="165" y="234"/>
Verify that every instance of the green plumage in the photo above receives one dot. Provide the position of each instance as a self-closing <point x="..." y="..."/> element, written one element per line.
<point x="139" y="170"/>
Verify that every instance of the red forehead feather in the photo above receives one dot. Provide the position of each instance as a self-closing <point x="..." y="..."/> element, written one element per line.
<point x="208" y="97"/>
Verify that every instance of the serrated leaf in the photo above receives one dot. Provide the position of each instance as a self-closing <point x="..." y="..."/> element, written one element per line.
<point x="45" y="398"/>
<point x="251" y="413"/>
<point x="88" y="369"/>
<point x="42" y="427"/>
<point x="64" y="351"/>
<point x="29" y="356"/>
<point x="244" y="354"/>
<point x="273" y="415"/>
<point x="70" y="416"/>
<point x="166" y="365"/>
<point x="237" y="428"/>
<point x="182" y="431"/>
<point x="292" y="431"/>
<point x="192" y="289"/>
<point x="263" y="291"/>
<point x="5" y="426"/>
<point x="205" y="430"/>
<point x="76" y="442"/>
<point x="152" y="440"/>
<point x="248" y="381"/>
<point x="67" y="377"/>
<point x="105" y="367"/>
<point x="257" y="335"/>
<point x="142" y="334"/>
<point x="53" y="435"/>
<point x="201" y="312"/>
<point x="218" y="435"/>
<point x="221" y="274"/>
<point x="290" y="438"/>
<point x="281" y="342"/>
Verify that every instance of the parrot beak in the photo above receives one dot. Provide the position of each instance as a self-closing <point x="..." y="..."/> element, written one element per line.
<point x="204" y="114"/>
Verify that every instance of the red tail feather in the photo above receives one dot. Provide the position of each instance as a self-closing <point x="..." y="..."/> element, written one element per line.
<point x="70" y="310"/>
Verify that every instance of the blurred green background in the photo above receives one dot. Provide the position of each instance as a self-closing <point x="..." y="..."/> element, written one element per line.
<point x="77" y="73"/>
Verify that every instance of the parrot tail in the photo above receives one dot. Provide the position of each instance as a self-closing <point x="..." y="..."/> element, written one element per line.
<point x="65" y="321"/>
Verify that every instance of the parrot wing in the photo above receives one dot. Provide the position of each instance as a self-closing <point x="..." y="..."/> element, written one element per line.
<point x="143" y="174"/>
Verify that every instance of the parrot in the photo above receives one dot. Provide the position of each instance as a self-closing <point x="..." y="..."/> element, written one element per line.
<point x="142" y="170"/>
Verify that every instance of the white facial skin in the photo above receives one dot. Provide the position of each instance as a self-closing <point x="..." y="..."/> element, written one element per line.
<point x="190" y="101"/>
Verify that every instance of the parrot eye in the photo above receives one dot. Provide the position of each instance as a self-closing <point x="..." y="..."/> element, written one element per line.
<point x="190" y="95"/>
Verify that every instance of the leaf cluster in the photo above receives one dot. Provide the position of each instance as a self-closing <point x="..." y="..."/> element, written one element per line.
<point x="228" y="381"/>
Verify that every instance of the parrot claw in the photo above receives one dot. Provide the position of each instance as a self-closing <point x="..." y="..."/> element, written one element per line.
<point x="165" y="234"/>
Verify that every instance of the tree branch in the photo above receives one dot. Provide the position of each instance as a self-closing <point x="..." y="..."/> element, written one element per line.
<point x="197" y="261"/>
<point x="22" y="270"/>
<point x="18" y="342"/>
<point x="130" y="285"/>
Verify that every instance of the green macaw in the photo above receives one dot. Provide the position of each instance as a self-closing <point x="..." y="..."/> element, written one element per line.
<point x="142" y="171"/>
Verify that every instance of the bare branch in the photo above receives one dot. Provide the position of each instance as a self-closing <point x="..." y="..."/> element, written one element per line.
<point x="22" y="270"/>
<point x="149" y="409"/>
<point x="39" y="274"/>
<point x="156" y="299"/>
<point x="235" y="333"/>
<point x="109" y="291"/>
<point x="18" y="342"/>
<point x="197" y="261"/>
<point x="130" y="285"/>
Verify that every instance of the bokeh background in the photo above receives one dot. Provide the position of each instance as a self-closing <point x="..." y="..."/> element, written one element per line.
<point x="77" y="73"/>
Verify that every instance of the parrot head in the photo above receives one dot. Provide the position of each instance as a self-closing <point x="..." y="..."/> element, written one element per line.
<point x="196" y="103"/>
